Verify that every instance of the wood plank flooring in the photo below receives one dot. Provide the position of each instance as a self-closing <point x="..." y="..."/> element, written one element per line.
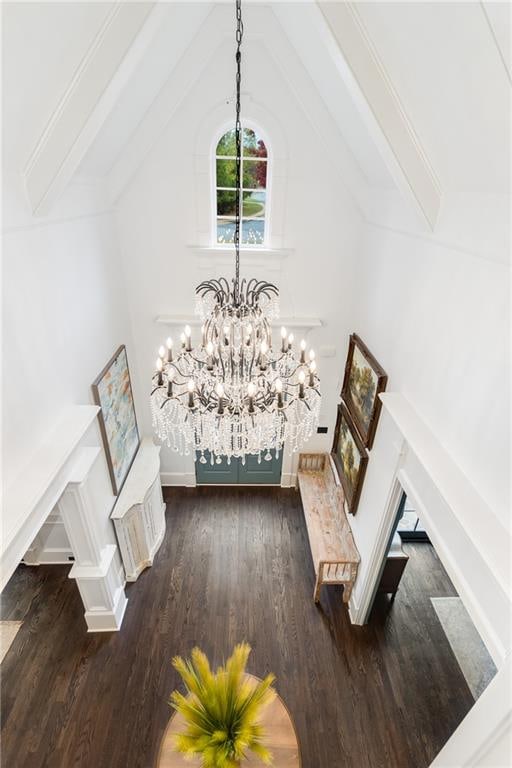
<point x="234" y="565"/>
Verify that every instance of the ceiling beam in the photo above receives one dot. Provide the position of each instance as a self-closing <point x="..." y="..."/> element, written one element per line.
<point x="92" y="92"/>
<point x="364" y="75"/>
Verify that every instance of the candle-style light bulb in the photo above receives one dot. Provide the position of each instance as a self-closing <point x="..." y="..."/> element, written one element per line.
<point x="311" y="354"/>
<point x="209" y="358"/>
<point x="161" y="352"/>
<point x="312" y="369"/>
<point x="251" y="391"/>
<point x="226" y="334"/>
<point x="290" y="341"/>
<point x="183" y="340"/>
<point x="303" y="351"/>
<point x="191" y="387"/>
<point x="170" y="376"/>
<point x="278" y="384"/>
<point x="169" y="345"/>
<point x="159" y="368"/>
<point x="263" y="352"/>
<point x="302" y="379"/>
<point x="284" y="345"/>
<point x="219" y="389"/>
<point x="188" y="338"/>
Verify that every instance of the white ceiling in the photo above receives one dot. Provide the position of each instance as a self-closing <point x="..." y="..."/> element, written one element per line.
<point x="178" y="34"/>
<point x="449" y="64"/>
<point x="42" y="47"/>
<point x="448" y="71"/>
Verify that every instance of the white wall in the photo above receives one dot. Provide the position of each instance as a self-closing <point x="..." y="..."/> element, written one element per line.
<point x="437" y="319"/>
<point x="64" y="315"/>
<point x="163" y="210"/>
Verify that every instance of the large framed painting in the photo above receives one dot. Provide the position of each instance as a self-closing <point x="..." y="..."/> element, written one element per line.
<point x="363" y="382"/>
<point x="112" y="391"/>
<point x="350" y="458"/>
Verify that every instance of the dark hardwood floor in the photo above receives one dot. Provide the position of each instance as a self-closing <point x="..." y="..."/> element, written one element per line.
<point x="234" y="565"/>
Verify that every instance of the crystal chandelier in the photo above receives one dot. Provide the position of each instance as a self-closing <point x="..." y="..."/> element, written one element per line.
<point x="233" y="394"/>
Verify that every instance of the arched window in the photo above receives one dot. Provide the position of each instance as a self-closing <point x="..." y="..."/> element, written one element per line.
<point x="253" y="203"/>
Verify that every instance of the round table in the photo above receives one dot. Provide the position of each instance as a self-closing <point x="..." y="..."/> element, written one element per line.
<point x="280" y="738"/>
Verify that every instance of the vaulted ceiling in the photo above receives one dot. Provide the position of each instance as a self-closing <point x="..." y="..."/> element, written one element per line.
<point x="412" y="97"/>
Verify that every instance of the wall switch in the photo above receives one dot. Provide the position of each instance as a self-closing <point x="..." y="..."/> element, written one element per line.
<point x="322" y="430"/>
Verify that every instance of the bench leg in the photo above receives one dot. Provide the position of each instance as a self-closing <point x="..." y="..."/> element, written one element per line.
<point x="318" y="586"/>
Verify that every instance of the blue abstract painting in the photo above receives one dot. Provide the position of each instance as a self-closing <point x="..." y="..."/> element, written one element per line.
<point x="113" y="393"/>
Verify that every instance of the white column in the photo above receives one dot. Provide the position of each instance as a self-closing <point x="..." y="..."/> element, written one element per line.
<point x="85" y="507"/>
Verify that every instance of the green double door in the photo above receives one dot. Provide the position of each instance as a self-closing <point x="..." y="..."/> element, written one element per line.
<point x="253" y="472"/>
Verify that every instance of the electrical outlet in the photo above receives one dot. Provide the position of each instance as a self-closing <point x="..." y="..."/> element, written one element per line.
<point x="322" y="430"/>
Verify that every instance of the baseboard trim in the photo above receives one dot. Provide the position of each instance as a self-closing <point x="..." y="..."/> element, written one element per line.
<point x="353" y="611"/>
<point x="288" y="480"/>
<point x="187" y="479"/>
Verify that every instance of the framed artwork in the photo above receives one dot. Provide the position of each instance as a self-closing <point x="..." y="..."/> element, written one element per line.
<point x="350" y="458"/>
<point x="112" y="391"/>
<point x="363" y="381"/>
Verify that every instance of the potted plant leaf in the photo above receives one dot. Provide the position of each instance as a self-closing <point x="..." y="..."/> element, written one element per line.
<point x="221" y="710"/>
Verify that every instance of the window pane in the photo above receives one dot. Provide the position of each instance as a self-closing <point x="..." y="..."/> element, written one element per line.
<point x="255" y="174"/>
<point x="226" y="203"/>
<point x="253" y="204"/>
<point x="253" y="144"/>
<point x="227" y="145"/>
<point x="253" y="231"/>
<point x="225" y="230"/>
<point x="226" y="173"/>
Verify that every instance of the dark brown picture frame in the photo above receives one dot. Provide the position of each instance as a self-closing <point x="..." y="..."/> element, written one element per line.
<point x="351" y="498"/>
<point x="97" y="399"/>
<point x="367" y="434"/>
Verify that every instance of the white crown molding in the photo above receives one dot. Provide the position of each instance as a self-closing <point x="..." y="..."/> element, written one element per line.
<point x="92" y="92"/>
<point x="292" y="323"/>
<point x="359" y="65"/>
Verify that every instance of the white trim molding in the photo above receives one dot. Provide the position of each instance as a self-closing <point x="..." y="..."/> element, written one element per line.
<point x="28" y="501"/>
<point x="92" y="92"/>
<point x="469" y="539"/>
<point x="183" y="479"/>
<point x="359" y="65"/>
<point x="85" y="502"/>
<point x="293" y="323"/>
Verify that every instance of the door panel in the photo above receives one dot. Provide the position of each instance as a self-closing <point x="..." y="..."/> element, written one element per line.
<point x="264" y="472"/>
<point x="218" y="474"/>
<point x="252" y="473"/>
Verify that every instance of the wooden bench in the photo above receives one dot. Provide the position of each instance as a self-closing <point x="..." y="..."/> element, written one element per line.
<point x="334" y="552"/>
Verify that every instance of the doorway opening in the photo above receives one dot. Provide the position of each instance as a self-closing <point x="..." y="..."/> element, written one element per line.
<point x="413" y="580"/>
<point x="255" y="470"/>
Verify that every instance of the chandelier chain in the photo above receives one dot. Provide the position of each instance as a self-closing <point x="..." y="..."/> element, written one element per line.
<point x="238" y="142"/>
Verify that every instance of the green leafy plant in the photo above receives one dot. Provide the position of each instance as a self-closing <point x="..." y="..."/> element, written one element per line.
<point x="221" y="709"/>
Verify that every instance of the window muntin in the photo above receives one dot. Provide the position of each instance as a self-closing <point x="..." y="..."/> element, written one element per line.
<point x="253" y="203"/>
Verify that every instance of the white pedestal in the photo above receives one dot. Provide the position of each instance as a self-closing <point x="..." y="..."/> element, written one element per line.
<point x="97" y="568"/>
<point x="139" y="513"/>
